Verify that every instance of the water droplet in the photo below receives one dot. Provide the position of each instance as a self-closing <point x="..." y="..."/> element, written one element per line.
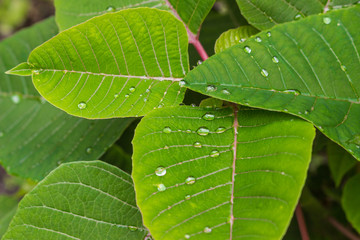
<point x="16" y="98"/>
<point x="199" y="62"/>
<point x="82" y="105"/>
<point x="190" y="180"/>
<point x="203" y="131"/>
<point x="161" y="105"/>
<point x="264" y="73"/>
<point x="147" y="90"/>
<point x="306" y="112"/>
<point x="320" y="127"/>
<point x="132" y="89"/>
<point x="327" y="20"/>
<point x="110" y="9"/>
<point x="247" y="49"/>
<point x="293" y="91"/>
<point x="343" y="67"/>
<point x="214" y="153"/>
<point x="166" y="147"/>
<point x="285" y="110"/>
<point x="211" y="88"/>
<point x="193" y="105"/>
<point x="188" y="131"/>
<point x="36" y="71"/>
<point x="275" y="59"/>
<point x="225" y="91"/>
<point x="197" y="145"/>
<point x="140" y="95"/>
<point x="160" y="171"/>
<point x="209" y="117"/>
<point x="187" y="236"/>
<point x="207" y="230"/>
<point x="167" y="130"/>
<point x="116" y="95"/>
<point x="268" y="34"/>
<point x="1" y="134"/>
<point x="258" y="39"/>
<point x="297" y="17"/>
<point x="89" y="150"/>
<point x="145" y="99"/>
<point x="132" y="228"/>
<point x="220" y="130"/>
<point x="182" y="83"/>
<point x="187" y="197"/>
<point x="161" y="187"/>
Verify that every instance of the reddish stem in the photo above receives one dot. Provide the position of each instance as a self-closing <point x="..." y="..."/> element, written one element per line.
<point x="301" y="222"/>
<point x="346" y="232"/>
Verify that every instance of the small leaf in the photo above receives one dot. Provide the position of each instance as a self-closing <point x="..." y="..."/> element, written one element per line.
<point x="116" y="65"/>
<point x="23" y="69"/>
<point x="219" y="174"/>
<point x="350" y="201"/>
<point x="340" y="162"/>
<point x="309" y="68"/>
<point x="82" y="200"/>
<point x="233" y="37"/>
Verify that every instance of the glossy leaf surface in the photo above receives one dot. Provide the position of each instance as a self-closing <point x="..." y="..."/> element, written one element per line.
<point x="116" y="65"/>
<point x="309" y="68"/>
<point x="36" y="137"/>
<point x="219" y="174"/>
<point x="82" y="200"/>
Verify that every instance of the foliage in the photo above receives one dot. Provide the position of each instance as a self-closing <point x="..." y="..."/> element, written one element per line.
<point x="230" y="166"/>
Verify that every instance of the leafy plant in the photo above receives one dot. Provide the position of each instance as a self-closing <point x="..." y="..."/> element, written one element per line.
<point x="227" y="167"/>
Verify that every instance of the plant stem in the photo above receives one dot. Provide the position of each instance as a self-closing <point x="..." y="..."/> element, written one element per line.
<point x="301" y="222"/>
<point x="346" y="232"/>
<point x="200" y="49"/>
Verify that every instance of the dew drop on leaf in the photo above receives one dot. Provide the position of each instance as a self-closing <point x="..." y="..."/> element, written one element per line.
<point x="258" y="39"/>
<point x="327" y="20"/>
<point x="268" y="34"/>
<point x="199" y="62"/>
<point x="220" y="130"/>
<point x="225" y="91"/>
<point x="264" y="73"/>
<point x="297" y="17"/>
<point x="187" y="197"/>
<point x="207" y="230"/>
<point x="211" y="88"/>
<point x="147" y="90"/>
<point x="89" y="150"/>
<point x="36" y="71"/>
<point x="293" y="91"/>
<point x="188" y="131"/>
<point x="166" y="147"/>
<point x="132" y="89"/>
<point x="190" y="180"/>
<point x="116" y="95"/>
<point x="275" y="59"/>
<point x="167" y="130"/>
<point x="161" y="105"/>
<point x="161" y="187"/>
<point x="197" y="144"/>
<point x="306" y="112"/>
<point x="160" y="171"/>
<point x="16" y="98"/>
<point x="182" y="83"/>
<point x="110" y="9"/>
<point x="132" y="228"/>
<point x="82" y="105"/>
<point x="343" y="67"/>
<point x="187" y="236"/>
<point x="214" y="153"/>
<point x="203" y="131"/>
<point x="208" y="116"/>
<point x="247" y="49"/>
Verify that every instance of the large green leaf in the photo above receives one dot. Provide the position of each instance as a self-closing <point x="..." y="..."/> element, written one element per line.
<point x="309" y="68"/>
<point x="82" y="200"/>
<point x="116" y="65"/>
<point x="219" y="174"/>
<point x="266" y="14"/>
<point x="34" y="136"/>
<point x="350" y="201"/>
<point x="8" y="205"/>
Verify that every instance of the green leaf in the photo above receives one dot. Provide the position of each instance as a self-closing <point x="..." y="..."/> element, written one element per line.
<point x="233" y="37"/>
<point x="309" y="68"/>
<point x="118" y="157"/>
<point x="82" y="200"/>
<point x="8" y="205"/>
<point x="350" y="201"/>
<point x="116" y="65"/>
<point x="23" y="69"/>
<point x="68" y="13"/>
<point x="340" y="162"/>
<point x="219" y="174"/>
<point x="34" y="136"/>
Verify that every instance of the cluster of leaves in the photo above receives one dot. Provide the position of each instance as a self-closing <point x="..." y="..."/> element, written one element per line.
<point x="227" y="167"/>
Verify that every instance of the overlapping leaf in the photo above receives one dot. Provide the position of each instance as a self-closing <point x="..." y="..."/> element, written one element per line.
<point x="8" y="205"/>
<point x="219" y="174"/>
<point x="82" y="200"/>
<point x="350" y="201"/>
<point x="35" y="136"/>
<point x="116" y="65"/>
<point x="266" y="14"/>
<point x="309" y="68"/>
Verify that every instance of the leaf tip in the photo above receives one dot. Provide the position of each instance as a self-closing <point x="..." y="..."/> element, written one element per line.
<point x="23" y="69"/>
